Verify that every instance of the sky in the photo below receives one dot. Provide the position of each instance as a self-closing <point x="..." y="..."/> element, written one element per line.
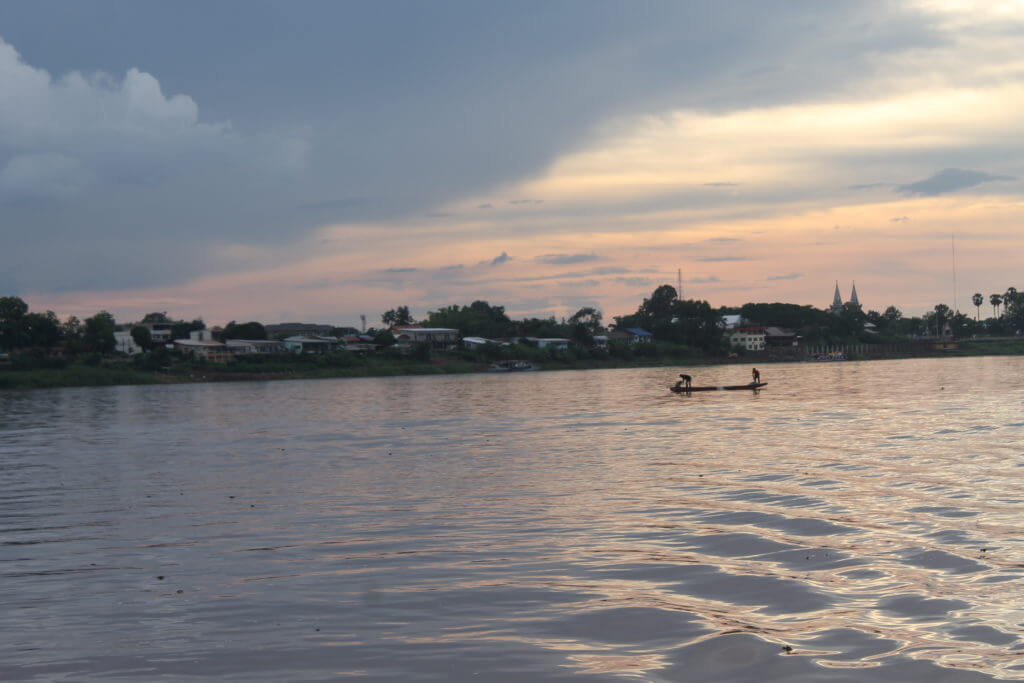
<point x="315" y="161"/>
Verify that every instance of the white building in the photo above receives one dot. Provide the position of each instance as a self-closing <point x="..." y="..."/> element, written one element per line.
<point x="124" y="343"/>
<point x="749" y="338"/>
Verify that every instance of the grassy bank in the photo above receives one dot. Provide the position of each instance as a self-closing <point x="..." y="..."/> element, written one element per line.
<point x="74" y="375"/>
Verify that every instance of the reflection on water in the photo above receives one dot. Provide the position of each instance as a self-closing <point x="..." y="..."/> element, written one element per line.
<point x="852" y="521"/>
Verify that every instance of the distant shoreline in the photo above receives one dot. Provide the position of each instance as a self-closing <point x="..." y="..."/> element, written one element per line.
<point x="123" y="374"/>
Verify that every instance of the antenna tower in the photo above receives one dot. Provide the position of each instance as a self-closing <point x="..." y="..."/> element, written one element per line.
<point x="679" y="281"/>
<point x="362" y="317"/>
<point x="956" y="309"/>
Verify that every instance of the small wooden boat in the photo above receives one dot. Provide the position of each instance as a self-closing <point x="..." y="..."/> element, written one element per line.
<point x="511" y="366"/>
<point x="732" y="387"/>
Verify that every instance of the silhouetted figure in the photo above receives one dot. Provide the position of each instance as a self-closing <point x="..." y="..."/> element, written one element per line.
<point x="756" y="375"/>
<point x="686" y="380"/>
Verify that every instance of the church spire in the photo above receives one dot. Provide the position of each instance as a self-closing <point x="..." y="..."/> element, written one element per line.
<point x="837" y="299"/>
<point x="853" y="295"/>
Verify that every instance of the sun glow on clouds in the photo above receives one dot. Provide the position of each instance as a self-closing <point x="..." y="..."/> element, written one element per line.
<point x="804" y="189"/>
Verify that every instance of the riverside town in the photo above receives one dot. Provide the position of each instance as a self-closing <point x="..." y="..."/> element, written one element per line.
<point x="40" y="350"/>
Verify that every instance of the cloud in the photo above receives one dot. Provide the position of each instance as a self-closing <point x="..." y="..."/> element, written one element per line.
<point x="790" y="276"/>
<point x="635" y="281"/>
<point x="526" y="201"/>
<point x="702" y="280"/>
<point x="948" y="180"/>
<point x="485" y="206"/>
<point x="723" y="240"/>
<point x="721" y="184"/>
<point x="566" y="259"/>
<point x="117" y="171"/>
<point x="503" y="257"/>
<point x="400" y="270"/>
<point x="870" y="186"/>
<point x="715" y="259"/>
<point x="899" y="219"/>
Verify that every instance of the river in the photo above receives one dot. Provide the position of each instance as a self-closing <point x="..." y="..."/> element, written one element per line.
<point x="852" y="521"/>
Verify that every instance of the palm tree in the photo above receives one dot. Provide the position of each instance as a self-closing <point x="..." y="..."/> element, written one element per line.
<point x="995" y="300"/>
<point x="1009" y="297"/>
<point x="978" y="300"/>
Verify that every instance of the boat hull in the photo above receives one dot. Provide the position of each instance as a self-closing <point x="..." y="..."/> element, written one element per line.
<point x="731" y="387"/>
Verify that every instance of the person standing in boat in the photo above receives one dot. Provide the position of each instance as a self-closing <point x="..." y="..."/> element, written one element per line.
<point x="756" y="375"/>
<point x="684" y="382"/>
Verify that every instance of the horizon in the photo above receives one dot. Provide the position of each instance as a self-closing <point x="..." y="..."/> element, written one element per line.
<point x="319" y="162"/>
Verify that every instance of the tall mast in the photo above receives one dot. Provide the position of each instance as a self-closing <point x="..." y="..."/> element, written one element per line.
<point x="679" y="281"/>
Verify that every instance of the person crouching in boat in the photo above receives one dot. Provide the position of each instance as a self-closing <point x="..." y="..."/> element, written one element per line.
<point x="756" y="375"/>
<point x="684" y="381"/>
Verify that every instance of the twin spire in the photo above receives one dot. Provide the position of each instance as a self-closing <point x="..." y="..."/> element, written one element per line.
<point x="837" y="299"/>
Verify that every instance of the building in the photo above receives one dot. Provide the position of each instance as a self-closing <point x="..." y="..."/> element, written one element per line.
<point x="240" y="347"/>
<point x="215" y="352"/>
<point x="301" y="344"/>
<point x="125" y="343"/>
<point x="749" y="338"/>
<point x="282" y="330"/>
<point x="631" y="336"/>
<point x="837" y="300"/>
<point x="732" y="321"/>
<point x="475" y="342"/>
<point x="550" y="343"/>
<point x="778" y="336"/>
<point x="435" y="337"/>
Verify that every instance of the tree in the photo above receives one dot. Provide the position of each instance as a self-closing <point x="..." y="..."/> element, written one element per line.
<point x="249" y="330"/>
<point x="12" y="330"/>
<point x="98" y="333"/>
<point x="157" y="317"/>
<point x="588" y="317"/>
<point x="995" y="300"/>
<point x="397" y="316"/>
<point x="73" y="331"/>
<point x="142" y="337"/>
<point x="41" y="329"/>
<point x="978" y="300"/>
<point x="182" y="329"/>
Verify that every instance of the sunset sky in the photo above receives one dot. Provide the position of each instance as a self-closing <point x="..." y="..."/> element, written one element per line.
<point x="312" y="161"/>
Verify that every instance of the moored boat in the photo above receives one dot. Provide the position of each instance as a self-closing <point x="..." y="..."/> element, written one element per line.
<point x="511" y="366"/>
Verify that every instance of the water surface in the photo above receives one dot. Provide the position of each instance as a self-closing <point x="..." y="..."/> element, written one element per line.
<point x="850" y="522"/>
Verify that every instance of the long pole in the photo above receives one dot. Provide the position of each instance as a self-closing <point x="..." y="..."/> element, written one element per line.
<point x="679" y="281"/>
<point x="956" y="308"/>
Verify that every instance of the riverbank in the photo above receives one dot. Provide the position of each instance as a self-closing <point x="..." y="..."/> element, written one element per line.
<point x="114" y="372"/>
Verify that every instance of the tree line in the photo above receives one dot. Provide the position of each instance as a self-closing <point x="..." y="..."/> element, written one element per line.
<point x="687" y="322"/>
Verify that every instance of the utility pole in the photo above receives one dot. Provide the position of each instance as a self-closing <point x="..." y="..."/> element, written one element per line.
<point x="679" y="281"/>
<point x="362" y="316"/>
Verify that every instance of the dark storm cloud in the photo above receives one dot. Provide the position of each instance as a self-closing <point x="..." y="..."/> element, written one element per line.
<point x="948" y="180"/>
<point x="249" y="134"/>
<point x="566" y="259"/>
